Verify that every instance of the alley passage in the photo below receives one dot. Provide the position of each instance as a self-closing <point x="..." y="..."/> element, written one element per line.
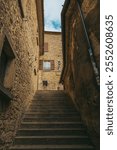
<point x="52" y="122"/>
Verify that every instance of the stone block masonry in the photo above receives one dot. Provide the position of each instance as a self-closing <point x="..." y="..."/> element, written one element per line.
<point x="81" y="31"/>
<point x="21" y="33"/>
<point x="52" y="52"/>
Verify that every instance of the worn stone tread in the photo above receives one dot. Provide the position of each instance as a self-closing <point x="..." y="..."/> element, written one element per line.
<point x="54" y="126"/>
<point x="38" y="129"/>
<point x="50" y="137"/>
<point x="38" y="147"/>
<point x="52" y="122"/>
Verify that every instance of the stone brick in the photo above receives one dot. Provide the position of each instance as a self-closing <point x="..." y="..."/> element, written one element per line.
<point x="54" y="53"/>
<point x="78" y="74"/>
<point x="21" y="34"/>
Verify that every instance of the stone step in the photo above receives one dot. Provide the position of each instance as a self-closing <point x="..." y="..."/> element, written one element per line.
<point x="52" y="147"/>
<point x="50" y="94"/>
<point x="39" y="104"/>
<point x="36" y="140"/>
<point x="38" y="114"/>
<point x="50" y="102"/>
<point x="51" y="98"/>
<point x="51" y="113"/>
<point x="51" y="124"/>
<point x="51" y="119"/>
<point x="51" y="131"/>
<point x="51" y="107"/>
<point x="52" y="110"/>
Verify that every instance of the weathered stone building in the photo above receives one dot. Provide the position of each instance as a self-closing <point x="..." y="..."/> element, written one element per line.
<point x="21" y="39"/>
<point x="80" y="76"/>
<point x="51" y="62"/>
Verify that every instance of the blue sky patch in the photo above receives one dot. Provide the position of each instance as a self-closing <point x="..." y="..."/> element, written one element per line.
<point x="52" y="15"/>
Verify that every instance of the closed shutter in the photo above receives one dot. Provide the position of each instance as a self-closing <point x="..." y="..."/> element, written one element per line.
<point x="40" y="64"/>
<point x="52" y="65"/>
<point x="45" y="47"/>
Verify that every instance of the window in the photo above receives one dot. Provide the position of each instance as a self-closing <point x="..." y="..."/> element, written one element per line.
<point x="45" y="47"/>
<point x="46" y="65"/>
<point x="45" y="83"/>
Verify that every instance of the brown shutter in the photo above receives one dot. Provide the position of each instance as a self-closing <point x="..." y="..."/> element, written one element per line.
<point x="40" y="64"/>
<point x="52" y="65"/>
<point x="45" y="47"/>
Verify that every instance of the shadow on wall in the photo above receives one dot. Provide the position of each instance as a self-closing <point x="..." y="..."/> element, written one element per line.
<point x="79" y="76"/>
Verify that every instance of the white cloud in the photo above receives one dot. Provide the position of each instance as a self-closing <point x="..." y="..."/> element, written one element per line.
<point x="52" y="13"/>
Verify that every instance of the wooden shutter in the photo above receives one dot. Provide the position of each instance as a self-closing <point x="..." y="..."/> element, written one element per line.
<point x="45" y="47"/>
<point x="52" y="65"/>
<point x="40" y="64"/>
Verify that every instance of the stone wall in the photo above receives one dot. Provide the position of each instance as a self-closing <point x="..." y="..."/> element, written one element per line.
<point x="54" y="53"/>
<point x="21" y="33"/>
<point x="78" y="74"/>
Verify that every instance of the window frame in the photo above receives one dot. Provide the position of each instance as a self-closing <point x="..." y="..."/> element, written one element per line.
<point x="46" y="47"/>
<point x="52" y="67"/>
<point x="45" y="67"/>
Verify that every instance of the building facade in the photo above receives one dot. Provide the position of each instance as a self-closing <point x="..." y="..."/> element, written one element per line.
<point x="51" y="63"/>
<point x="21" y="41"/>
<point x="81" y="53"/>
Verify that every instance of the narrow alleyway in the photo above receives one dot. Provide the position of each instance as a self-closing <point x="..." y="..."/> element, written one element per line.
<point x="34" y="59"/>
<point x="51" y="122"/>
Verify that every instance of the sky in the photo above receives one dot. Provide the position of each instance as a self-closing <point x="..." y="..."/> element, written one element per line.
<point x="52" y="15"/>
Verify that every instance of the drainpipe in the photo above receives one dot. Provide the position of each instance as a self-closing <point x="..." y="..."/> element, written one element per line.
<point x="95" y="69"/>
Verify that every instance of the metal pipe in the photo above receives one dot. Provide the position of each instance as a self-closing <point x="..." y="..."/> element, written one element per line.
<point x="96" y="72"/>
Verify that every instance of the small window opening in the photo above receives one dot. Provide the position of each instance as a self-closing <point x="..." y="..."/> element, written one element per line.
<point x="46" y="65"/>
<point x="45" y="83"/>
<point x="45" y="47"/>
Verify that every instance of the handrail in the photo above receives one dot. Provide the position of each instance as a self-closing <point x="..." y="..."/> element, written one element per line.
<point x="95" y="69"/>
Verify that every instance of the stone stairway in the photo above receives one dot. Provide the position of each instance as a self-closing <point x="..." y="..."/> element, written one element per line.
<point x="51" y="122"/>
